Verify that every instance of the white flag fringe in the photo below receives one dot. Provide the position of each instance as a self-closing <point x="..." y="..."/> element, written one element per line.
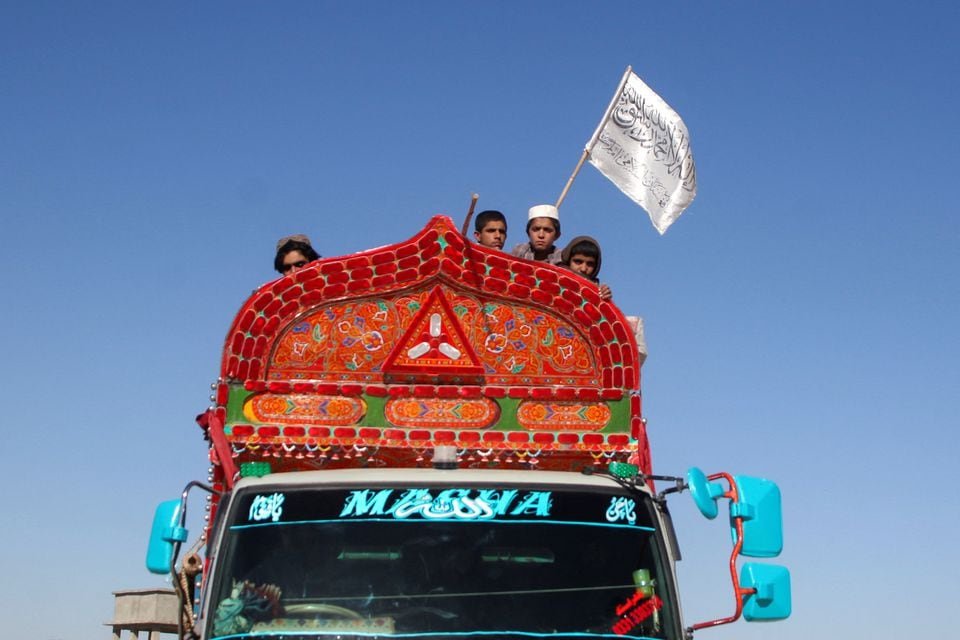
<point x="643" y="147"/>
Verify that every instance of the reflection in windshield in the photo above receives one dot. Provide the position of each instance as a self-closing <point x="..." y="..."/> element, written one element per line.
<point x="312" y="572"/>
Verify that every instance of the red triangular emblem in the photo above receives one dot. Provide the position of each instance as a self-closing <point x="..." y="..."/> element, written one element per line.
<point x="434" y="348"/>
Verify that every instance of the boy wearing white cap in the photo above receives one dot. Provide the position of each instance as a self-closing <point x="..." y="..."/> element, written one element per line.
<point x="543" y="229"/>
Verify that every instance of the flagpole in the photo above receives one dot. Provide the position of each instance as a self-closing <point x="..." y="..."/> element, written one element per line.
<point x="596" y="135"/>
<point x="573" y="176"/>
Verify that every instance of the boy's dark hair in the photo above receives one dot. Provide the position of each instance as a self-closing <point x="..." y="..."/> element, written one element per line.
<point x="583" y="248"/>
<point x="556" y="224"/>
<point x="294" y="245"/>
<point x="490" y="215"/>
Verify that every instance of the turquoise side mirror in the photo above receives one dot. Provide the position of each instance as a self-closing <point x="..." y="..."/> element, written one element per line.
<point x="759" y="504"/>
<point x="772" y="600"/>
<point x="164" y="534"/>
<point x="704" y="492"/>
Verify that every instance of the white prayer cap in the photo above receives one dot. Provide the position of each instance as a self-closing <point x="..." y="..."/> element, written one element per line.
<point x="543" y="211"/>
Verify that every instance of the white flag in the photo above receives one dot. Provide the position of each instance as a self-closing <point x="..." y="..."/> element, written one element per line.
<point x="643" y="147"/>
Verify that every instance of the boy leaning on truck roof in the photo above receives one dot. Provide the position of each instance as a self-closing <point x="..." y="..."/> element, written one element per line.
<point x="490" y="229"/>
<point x="294" y="253"/>
<point x="543" y="230"/>
<point x="583" y="257"/>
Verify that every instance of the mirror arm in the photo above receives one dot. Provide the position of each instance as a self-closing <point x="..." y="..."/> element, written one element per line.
<point x="182" y="522"/>
<point x="182" y="596"/>
<point x="738" y="591"/>
<point x="644" y="478"/>
<point x="679" y="485"/>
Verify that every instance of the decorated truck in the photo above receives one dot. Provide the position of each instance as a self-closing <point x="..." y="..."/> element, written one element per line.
<point x="436" y="439"/>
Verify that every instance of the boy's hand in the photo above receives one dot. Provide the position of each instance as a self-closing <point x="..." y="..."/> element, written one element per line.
<point x="605" y="293"/>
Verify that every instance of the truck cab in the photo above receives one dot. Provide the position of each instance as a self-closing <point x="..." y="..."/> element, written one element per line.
<point x="440" y="552"/>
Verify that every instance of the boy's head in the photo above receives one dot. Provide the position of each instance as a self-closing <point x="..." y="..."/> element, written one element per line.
<point x="582" y="256"/>
<point x="490" y="229"/>
<point x="543" y="226"/>
<point x="293" y="254"/>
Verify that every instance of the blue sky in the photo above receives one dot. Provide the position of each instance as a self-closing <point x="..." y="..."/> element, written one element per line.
<point x="801" y="316"/>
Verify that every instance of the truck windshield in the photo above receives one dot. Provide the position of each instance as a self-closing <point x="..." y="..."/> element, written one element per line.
<point x="440" y="561"/>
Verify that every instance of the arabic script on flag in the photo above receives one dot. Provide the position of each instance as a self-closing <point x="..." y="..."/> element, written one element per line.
<point x="643" y="147"/>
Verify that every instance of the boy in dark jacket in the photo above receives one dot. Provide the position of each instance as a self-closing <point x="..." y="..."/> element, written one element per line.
<point x="293" y="254"/>
<point x="583" y="257"/>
